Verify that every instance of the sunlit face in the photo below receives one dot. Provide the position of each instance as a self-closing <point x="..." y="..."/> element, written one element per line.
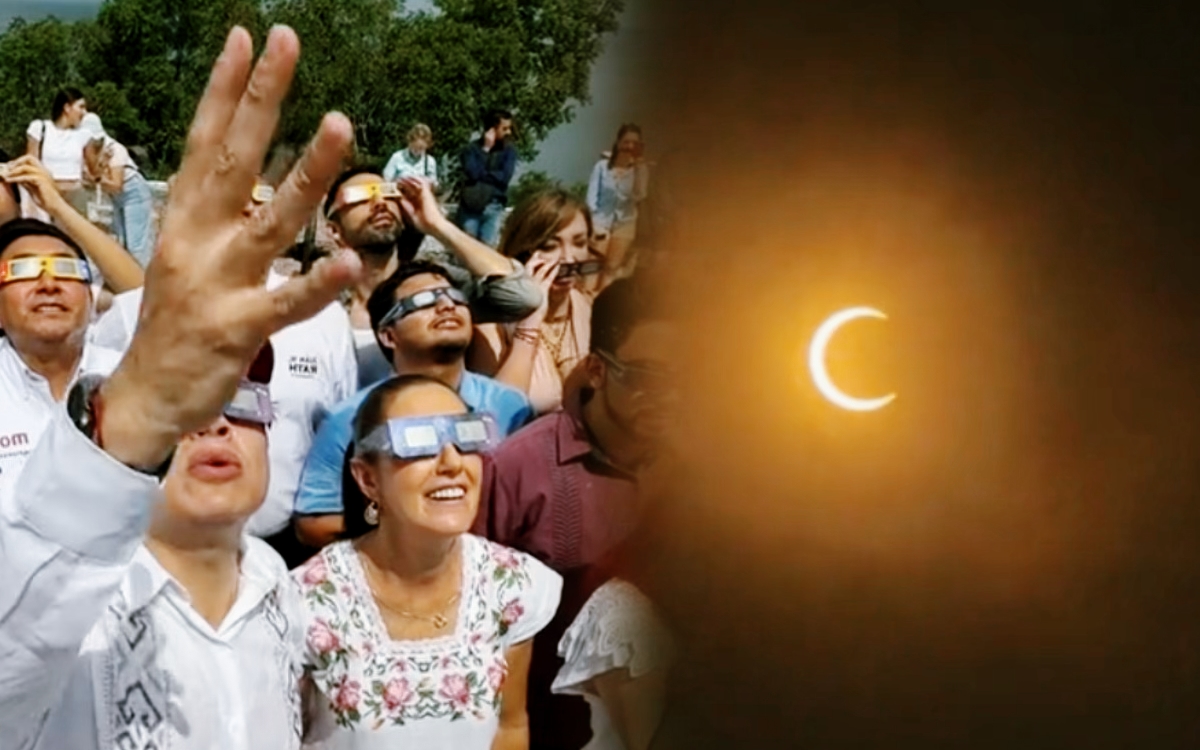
<point x="438" y="495"/>
<point x="45" y="311"/>
<point x="630" y="143"/>
<point x="75" y="111"/>
<point x="443" y="326"/>
<point x="374" y="222"/>
<point x="418" y="146"/>
<point x="568" y="245"/>
<point x="643" y="406"/>
<point x="219" y="475"/>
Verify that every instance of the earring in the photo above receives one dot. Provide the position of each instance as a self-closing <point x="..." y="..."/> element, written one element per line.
<point x="371" y="514"/>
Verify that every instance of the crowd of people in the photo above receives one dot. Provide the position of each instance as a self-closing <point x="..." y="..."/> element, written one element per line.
<point x="315" y="462"/>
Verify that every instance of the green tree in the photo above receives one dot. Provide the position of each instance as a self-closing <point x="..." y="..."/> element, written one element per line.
<point x="36" y="59"/>
<point x="144" y="64"/>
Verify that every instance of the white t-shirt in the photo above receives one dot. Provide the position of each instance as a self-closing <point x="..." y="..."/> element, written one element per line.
<point x="62" y="150"/>
<point x="315" y="369"/>
<point x="402" y="165"/>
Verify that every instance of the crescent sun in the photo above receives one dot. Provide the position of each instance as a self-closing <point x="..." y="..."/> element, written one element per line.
<point x="820" y="372"/>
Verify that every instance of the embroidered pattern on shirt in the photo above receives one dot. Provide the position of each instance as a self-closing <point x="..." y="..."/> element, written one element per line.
<point x="138" y="690"/>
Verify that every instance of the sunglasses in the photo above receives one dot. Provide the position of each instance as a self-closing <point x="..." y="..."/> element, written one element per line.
<point x="420" y="301"/>
<point x="426" y="437"/>
<point x="25" y="269"/>
<point x="582" y="268"/>
<point x="355" y="194"/>
<point x="251" y="403"/>
<point x="639" y="379"/>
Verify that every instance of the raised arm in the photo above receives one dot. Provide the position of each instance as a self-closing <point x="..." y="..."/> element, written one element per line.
<point x="66" y="536"/>
<point x="119" y="268"/>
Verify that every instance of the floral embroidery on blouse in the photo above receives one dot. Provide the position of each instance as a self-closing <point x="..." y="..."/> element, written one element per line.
<point x="371" y="681"/>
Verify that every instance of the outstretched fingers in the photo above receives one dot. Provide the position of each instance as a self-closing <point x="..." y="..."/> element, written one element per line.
<point x="274" y="226"/>
<point x="215" y="111"/>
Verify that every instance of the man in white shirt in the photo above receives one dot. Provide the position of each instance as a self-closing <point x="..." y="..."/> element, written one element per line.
<point x="44" y="314"/>
<point x="74" y="524"/>
<point x="200" y="647"/>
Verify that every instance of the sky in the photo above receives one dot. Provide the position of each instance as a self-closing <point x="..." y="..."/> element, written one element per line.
<point x="567" y="154"/>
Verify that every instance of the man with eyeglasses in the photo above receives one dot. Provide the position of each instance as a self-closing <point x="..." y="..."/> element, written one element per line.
<point x="423" y="325"/>
<point x="564" y="489"/>
<point x="45" y="307"/>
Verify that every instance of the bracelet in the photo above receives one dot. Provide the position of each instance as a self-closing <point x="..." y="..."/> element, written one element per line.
<point x="531" y="336"/>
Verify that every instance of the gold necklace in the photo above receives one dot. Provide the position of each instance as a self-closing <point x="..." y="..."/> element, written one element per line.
<point x="437" y="619"/>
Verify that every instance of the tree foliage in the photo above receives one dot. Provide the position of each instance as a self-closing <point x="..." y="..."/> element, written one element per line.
<point x="144" y="64"/>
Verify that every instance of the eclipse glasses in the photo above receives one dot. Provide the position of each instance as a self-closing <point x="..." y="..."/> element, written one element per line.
<point x="420" y="301"/>
<point x="352" y="195"/>
<point x="26" y="269"/>
<point x="425" y="437"/>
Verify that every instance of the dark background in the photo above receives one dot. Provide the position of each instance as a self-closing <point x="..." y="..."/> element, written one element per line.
<point x="1007" y="556"/>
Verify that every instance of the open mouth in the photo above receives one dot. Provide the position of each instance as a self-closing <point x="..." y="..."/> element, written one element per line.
<point x="50" y="307"/>
<point x="449" y="321"/>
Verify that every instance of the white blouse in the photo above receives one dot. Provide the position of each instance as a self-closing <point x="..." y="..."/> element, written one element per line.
<point x="372" y="692"/>
<point x="62" y="150"/>
<point x="616" y="629"/>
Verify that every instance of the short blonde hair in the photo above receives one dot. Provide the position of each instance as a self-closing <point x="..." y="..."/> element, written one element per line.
<point x="422" y="131"/>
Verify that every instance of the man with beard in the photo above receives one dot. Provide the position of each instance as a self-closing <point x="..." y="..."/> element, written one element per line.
<point x="423" y="325"/>
<point x="389" y="224"/>
<point x="564" y="489"/>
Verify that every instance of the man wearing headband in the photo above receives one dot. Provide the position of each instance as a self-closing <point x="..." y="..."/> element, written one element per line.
<point x="388" y="224"/>
<point x="423" y="326"/>
<point x="564" y="488"/>
<point x="45" y="308"/>
<point x="200" y="646"/>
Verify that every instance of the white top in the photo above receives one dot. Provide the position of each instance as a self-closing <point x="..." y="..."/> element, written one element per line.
<point x="153" y="673"/>
<point x="62" y="150"/>
<point x="66" y="541"/>
<point x="315" y="369"/>
<point x="617" y="629"/>
<point x="403" y="164"/>
<point x="118" y="156"/>
<point x="374" y="693"/>
<point x="26" y="405"/>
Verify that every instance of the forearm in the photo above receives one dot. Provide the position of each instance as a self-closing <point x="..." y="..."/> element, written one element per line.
<point x="120" y="269"/>
<point x="517" y="369"/>
<point x="481" y="260"/>
<point x="641" y="183"/>
<point x="512" y="737"/>
<point x="66" y="539"/>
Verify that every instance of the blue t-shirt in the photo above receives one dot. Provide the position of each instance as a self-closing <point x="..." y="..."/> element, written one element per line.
<point x="320" y="490"/>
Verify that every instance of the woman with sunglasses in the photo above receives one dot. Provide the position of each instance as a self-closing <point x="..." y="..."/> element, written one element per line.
<point x="418" y="633"/>
<point x="551" y="233"/>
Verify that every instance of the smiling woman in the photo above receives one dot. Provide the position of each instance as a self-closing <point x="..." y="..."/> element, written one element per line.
<point x="440" y="620"/>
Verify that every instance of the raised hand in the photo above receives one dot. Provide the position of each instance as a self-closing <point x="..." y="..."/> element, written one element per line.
<point x="205" y="311"/>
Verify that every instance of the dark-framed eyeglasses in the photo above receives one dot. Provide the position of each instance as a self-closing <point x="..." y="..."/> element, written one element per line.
<point x="639" y="378"/>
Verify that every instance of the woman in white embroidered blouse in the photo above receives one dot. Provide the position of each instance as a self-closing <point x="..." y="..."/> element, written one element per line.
<point x="418" y="633"/>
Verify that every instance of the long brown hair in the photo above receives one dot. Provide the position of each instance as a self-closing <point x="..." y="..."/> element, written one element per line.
<point x="624" y="130"/>
<point x="536" y="220"/>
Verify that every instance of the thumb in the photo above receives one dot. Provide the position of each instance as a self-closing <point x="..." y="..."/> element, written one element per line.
<point x="302" y="297"/>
